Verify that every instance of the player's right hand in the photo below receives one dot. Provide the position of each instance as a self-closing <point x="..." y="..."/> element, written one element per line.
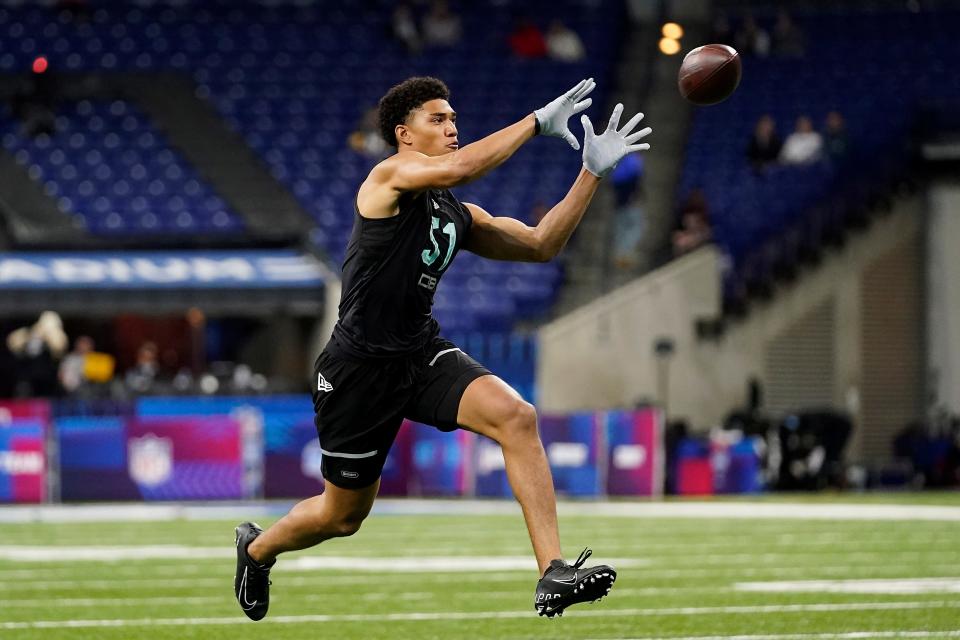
<point x="553" y="117"/>
<point x="602" y="153"/>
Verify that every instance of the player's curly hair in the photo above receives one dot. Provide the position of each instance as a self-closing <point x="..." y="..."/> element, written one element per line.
<point x="403" y="98"/>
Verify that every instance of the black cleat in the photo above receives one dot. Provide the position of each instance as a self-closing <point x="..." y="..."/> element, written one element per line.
<point x="251" y="584"/>
<point x="563" y="585"/>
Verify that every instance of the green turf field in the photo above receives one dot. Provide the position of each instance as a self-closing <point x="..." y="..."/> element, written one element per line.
<point x="679" y="577"/>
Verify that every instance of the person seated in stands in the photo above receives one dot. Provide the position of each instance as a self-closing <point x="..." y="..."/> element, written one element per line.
<point x="366" y="139"/>
<point x="788" y="40"/>
<point x="526" y="40"/>
<point x="752" y="39"/>
<point x="803" y="146"/>
<point x="835" y="141"/>
<point x="694" y="224"/>
<point x="629" y="216"/>
<point x="83" y="369"/>
<point x="404" y="29"/>
<point x="71" y="372"/>
<point x="141" y="377"/>
<point x="765" y="144"/>
<point x="441" y="27"/>
<point x="563" y="43"/>
<point x="37" y="348"/>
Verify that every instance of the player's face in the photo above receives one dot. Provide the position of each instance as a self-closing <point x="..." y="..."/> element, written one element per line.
<point x="434" y="128"/>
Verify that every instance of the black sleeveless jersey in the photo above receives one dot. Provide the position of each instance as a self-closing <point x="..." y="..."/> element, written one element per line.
<point x="391" y="271"/>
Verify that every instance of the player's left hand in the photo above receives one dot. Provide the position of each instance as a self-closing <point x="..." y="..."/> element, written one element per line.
<point x="553" y="117"/>
<point x="602" y="153"/>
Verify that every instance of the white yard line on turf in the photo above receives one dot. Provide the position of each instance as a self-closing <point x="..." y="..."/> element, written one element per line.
<point x="389" y="594"/>
<point x="474" y="615"/>
<point x="411" y="564"/>
<point x="203" y="600"/>
<point x="409" y="506"/>
<point x="900" y="586"/>
<point x="850" y="635"/>
<point x="315" y="579"/>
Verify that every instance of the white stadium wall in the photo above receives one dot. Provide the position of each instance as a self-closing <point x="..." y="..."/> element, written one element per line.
<point x="807" y="346"/>
<point x="943" y="294"/>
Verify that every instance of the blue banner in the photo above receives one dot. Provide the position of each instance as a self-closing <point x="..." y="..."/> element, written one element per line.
<point x="161" y="270"/>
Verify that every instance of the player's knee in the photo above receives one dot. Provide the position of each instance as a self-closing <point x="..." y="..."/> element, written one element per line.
<point x="522" y="420"/>
<point x="347" y="526"/>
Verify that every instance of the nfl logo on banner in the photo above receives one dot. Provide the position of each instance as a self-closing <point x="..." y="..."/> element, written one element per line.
<point x="150" y="460"/>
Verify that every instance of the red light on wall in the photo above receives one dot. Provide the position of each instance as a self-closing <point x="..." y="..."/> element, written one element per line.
<point x="40" y="64"/>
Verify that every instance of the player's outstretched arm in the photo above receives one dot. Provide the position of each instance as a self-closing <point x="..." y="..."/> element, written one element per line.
<point x="417" y="172"/>
<point x="502" y="238"/>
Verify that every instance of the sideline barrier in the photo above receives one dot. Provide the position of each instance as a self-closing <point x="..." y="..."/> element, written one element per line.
<point x="24" y="453"/>
<point x="186" y="448"/>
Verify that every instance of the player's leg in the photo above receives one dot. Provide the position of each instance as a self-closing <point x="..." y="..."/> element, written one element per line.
<point x="490" y="407"/>
<point x="454" y="390"/>
<point x="335" y="513"/>
<point x="358" y="413"/>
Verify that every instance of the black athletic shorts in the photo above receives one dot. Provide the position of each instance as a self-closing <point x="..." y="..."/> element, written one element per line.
<point x="360" y="404"/>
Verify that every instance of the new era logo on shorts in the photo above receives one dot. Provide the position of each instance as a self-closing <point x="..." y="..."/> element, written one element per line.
<point x="322" y="384"/>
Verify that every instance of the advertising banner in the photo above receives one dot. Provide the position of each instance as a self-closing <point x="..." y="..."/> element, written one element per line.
<point x="160" y="270"/>
<point x="572" y="444"/>
<point x="490" y="470"/>
<point x="11" y="410"/>
<point x="23" y="461"/>
<point x="186" y="458"/>
<point x="441" y="462"/>
<point x="292" y="455"/>
<point x="93" y="459"/>
<point x="634" y="453"/>
<point x="398" y="468"/>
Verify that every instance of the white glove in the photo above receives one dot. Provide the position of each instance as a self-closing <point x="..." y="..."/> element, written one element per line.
<point x="553" y="117"/>
<point x="602" y="153"/>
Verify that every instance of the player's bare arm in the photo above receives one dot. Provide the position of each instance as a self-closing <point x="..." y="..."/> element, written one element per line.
<point x="429" y="155"/>
<point x="504" y="238"/>
<point x="412" y="170"/>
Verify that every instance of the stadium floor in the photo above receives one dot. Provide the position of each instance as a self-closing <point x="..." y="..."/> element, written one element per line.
<point x="844" y="567"/>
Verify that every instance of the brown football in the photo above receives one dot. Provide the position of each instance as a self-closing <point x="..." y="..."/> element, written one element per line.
<point x="709" y="74"/>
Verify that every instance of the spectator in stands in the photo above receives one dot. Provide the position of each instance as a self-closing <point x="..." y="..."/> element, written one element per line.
<point x="721" y="32"/>
<point x="752" y="39"/>
<point x="627" y="181"/>
<point x="72" y="375"/>
<point x="441" y="27"/>
<point x="788" y="40"/>
<point x="405" y="30"/>
<point x="366" y="139"/>
<point x="835" y="141"/>
<point x="142" y="376"/>
<point x="85" y="372"/>
<point x="563" y="43"/>
<point x="765" y="144"/>
<point x="803" y="146"/>
<point x="693" y="230"/>
<point x="527" y="41"/>
<point x="37" y="349"/>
